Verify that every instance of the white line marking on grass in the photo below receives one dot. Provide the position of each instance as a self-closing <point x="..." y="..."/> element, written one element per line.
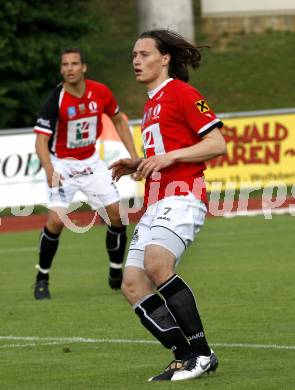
<point x="78" y="340"/>
<point x="19" y="250"/>
<point x="266" y="212"/>
<point x="5" y="346"/>
<point x="254" y="346"/>
<point x="38" y="341"/>
<point x="34" y="249"/>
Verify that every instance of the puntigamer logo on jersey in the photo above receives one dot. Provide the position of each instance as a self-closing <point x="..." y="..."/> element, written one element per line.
<point x="81" y="135"/>
<point x="81" y="132"/>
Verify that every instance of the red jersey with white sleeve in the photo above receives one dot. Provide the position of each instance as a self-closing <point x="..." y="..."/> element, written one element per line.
<point x="176" y="116"/>
<point x="74" y="124"/>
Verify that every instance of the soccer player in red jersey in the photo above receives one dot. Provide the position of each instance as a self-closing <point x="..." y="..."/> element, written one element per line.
<point x="180" y="132"/>
<point x="66" y="133"/>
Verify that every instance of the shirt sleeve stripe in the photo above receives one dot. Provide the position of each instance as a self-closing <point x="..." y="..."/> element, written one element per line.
<point x="210" y="126"/>
<point x="38" y="129"/>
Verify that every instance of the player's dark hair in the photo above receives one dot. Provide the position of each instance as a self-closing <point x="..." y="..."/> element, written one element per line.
<point x="69" y="50"/>
<point x="182" y="52"/>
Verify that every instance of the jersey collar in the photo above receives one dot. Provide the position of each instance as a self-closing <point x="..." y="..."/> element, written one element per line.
<point x="153" y="92"/>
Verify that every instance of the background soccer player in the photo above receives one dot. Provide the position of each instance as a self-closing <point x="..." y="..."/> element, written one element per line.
<point x="67" y="129"/>
<point x="180" y="132"/>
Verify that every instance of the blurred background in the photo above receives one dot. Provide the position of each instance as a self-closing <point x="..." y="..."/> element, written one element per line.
<point x="242" y="269"/>
<point x="247" y="76"/>
<point x="250" y="64"/>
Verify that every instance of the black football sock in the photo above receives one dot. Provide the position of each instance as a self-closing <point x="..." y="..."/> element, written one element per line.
<point x="116" y="239"/>
<point x="181" y="302"/>
<point x="47" y="249"/>
<point x="157" y="319"/>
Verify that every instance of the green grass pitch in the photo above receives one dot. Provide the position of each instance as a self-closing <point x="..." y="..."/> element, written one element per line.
<point x="242" y="271"/>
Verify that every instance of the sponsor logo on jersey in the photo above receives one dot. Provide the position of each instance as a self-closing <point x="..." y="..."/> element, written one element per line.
<point x="92" y="106"/>
<point x="82" y="108"/>
<point x="164" y="218"/>
<point x="135" y="236"/>
<point x="202" y="106"/>
<point x="143" y="119"/>
<point x="82" y="130"/>
<point x="43" y="122"/>
<point x="148" y="139"/>
<point x="81" y="172"/>
<point x="196" y="336"/>
<point x="161" y="94"/>
<point x="156" y="111"/>
<point x="147" y="116"/>
<point x="152" y="139"/>
<point x="71" y="111"/>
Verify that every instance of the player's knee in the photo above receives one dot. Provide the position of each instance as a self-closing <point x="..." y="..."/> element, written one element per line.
<point x="116" y="220"/>
<point x="153" y="271"/>
<point x="113" y="212"/>
<point x="158" y="270"/>
<point x="129" y="288"/>
<point x="54" y="223"/>
<point x="150" y="269"/>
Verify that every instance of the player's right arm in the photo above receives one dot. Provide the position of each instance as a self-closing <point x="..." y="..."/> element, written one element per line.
<point x="42" y="151"/>
<point x="125" y="166"/>
<point x="44" y="129"/>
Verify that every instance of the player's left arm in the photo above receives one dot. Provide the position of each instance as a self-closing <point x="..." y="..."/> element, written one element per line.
<point x="212" y="145"/>
<point x="124" y="133"/>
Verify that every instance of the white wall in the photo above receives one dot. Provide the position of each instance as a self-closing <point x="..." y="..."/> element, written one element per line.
<point x="250" y="7"/>
<point x="176" y="15"/>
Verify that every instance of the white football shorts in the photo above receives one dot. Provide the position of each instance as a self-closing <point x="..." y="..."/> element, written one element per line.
<point x="172" y="223"/>
<point x="90" y="176"/>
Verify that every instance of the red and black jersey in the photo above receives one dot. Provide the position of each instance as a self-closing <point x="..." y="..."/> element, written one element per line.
<point x="176" y="116"/>
<point x="74" y="124"/>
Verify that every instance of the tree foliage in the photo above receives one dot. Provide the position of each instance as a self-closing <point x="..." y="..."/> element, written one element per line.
<point x="32" y="34"/>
